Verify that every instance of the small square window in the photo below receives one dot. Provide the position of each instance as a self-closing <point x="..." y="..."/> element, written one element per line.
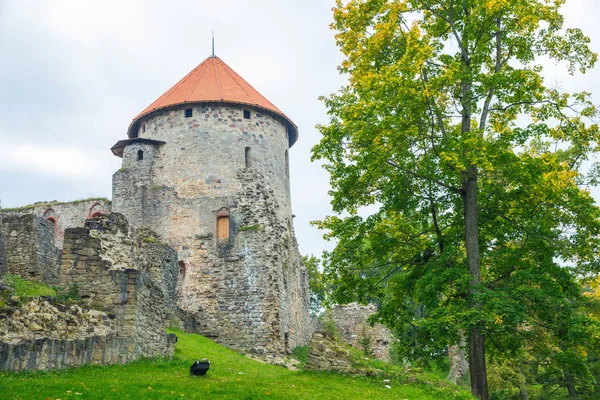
<point x="246" y="114"/>
<point x="188" y="112"/>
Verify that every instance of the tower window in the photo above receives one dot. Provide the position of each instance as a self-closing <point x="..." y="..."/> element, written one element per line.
<point x="140" y="155"/>
<point x="247" y="155"/>
<point x="247" y="114"/>
<point x="223" y="224"/>
<point x="188" y="112"/>
<point x="143" y="127"/>
<point x="287" y="165"/>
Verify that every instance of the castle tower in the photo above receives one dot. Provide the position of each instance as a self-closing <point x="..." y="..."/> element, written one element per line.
<point x="206" y="166"/>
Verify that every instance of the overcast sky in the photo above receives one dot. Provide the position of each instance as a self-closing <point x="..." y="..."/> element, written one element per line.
<point x="74" y="73"/>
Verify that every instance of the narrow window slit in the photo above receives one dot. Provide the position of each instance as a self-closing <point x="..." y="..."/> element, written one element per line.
<point x="247" y="157"/>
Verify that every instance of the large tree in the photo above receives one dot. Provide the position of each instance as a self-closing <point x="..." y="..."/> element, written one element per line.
<point x="473" y="166"/>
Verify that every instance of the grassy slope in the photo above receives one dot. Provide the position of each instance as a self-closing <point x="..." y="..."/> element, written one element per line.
<point x="231" y="377"/>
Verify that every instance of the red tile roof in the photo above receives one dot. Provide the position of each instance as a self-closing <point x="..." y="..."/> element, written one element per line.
<point x="214" y="81"/>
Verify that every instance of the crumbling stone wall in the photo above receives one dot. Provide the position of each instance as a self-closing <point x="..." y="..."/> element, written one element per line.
<point x="351" y="321"/>
<point x="327" y="354"/>
<point x="50" y="353"/>
<point x="2" y="255"/>
<point x="30" y="250"/>
<point x="108" y="265"/>
<point x="41" y="318"/>
<point x="63" y="214"/>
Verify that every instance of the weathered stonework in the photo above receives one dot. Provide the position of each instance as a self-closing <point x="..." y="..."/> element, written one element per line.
<point x="327" y="354"/>
<point x="40" y="318"/>
<point x="30" y="250"/>
<point x="351" y="321"/>
<point x="126" y="272"/>
<point x="63" y="214"/>
<point x="107" y="261"/>
<point x="2" y="255"/>
<point x="249" y="291"/>
<point x="49" y="353"/>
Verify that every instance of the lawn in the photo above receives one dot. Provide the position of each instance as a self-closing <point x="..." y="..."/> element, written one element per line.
<point x="231" y="376"/>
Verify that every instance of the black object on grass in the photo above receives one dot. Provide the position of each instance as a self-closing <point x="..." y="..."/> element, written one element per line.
<point x="199" y="368"/>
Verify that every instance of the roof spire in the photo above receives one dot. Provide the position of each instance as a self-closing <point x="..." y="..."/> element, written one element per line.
<point x="213" y="44"/>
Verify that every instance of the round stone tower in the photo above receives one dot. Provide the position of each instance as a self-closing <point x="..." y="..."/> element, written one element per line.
<point x="207" y="167"/>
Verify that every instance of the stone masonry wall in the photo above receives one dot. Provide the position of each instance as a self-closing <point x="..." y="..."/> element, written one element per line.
<point x="249" y="292"/>
<point x="63" y="214"/>
<point x="105" y="262"/>
<point x="327" y="354"/>
<point x="47" y="353"/>
<point x="30" y="247"/>
<point x="2" y="255"/>
<point x="351" y="321"/>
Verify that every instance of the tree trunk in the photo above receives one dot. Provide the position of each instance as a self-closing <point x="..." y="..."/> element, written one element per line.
<point x="570" y="385"/>
<point x="523" y="383"/>
<point x="477" y="368"/>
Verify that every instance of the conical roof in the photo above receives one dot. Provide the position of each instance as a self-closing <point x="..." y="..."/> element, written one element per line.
<point x="214" y="81"/>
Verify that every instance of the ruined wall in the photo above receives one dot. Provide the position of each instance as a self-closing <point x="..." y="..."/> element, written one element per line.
<point x="30" y="249"/>
<point x="2" y="255"/>
<point x="249" y="292"/>
<point x="49" y="353"/>
<point x="63" y="214"/>
<point x="327" y="354"/>
<point x="351" y="321"/>
<point x="109" y="267"/>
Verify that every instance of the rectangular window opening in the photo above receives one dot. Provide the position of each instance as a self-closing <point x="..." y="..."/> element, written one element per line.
<point x="188" y="112"/>
<point x="247" y="114"/>
<point x="247" y="155"/>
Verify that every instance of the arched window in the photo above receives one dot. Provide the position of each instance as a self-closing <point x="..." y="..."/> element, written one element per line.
<point x="247" y="157"/>
<point x="223" y="224"/>
<point x="50" y="216"/>
<point x="96" y="210"/>
<point x="140" y="155"/>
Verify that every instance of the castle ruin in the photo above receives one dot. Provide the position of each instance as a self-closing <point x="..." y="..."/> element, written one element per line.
<point x="206" y="166"/>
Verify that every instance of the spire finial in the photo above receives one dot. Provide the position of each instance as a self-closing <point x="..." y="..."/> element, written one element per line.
<point x="213" y="43"/>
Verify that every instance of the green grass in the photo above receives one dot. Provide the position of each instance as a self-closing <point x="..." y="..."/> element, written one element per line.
<point x="231" y="376"/>
<point x="54" y="203"/>
<point x="26" y="288"/>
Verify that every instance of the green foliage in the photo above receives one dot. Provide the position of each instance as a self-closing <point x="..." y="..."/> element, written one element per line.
<point x="472" y="170"/>
<point x="318" y="291"/>
<point x="328" y="324"/>
<point x="56" y="203"/>
<point x="68" y="294"/>
<point x="26" y="288"/>
<point x="255" y="227"/>
<point x="300" y="353"/>
<point x="364" y="340"/>
<point x="231" y="376"/>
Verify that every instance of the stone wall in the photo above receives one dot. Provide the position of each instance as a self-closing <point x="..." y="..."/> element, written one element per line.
<point x="47" y="353"/>
<point x="327" y="354"/>
<point x="351" y="321"/>
<point x="30" y="249"/>
<point x="2" y="255"/>
<point x="107" y="260"/>
<point x="250" y="291"/>
<point x="63" y="214"/>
